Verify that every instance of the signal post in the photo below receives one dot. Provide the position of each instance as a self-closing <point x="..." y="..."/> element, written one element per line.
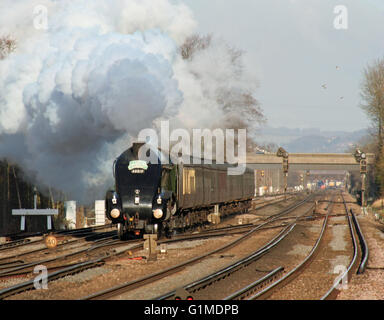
<point x="284" y="154"/>
<point x="361" y="158"/>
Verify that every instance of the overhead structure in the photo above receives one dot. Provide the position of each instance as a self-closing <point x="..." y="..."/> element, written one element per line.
<point x="309" y="161"/>
<point x="357" y="162"/>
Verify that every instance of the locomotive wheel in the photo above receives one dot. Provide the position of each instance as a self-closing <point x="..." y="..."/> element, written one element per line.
<point x="168" y="233"/>
<point x="120" y="231"/>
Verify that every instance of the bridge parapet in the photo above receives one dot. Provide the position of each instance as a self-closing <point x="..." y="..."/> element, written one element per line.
<point x="309" y="158"/>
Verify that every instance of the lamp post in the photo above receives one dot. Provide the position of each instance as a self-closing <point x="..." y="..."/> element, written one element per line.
<point x="284" y="154"/>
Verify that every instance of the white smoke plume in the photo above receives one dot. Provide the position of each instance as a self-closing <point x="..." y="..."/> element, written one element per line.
<point x="72" y="96"/>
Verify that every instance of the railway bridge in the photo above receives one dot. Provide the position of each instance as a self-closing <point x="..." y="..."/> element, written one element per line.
<point x="270" y="173"/>
<point x="308" y="161"/>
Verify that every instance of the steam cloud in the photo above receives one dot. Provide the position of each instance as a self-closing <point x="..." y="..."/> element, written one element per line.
<point x="73" y="96"/>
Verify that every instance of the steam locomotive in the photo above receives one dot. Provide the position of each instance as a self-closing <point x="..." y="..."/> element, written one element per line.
<point x="162" y="198"/>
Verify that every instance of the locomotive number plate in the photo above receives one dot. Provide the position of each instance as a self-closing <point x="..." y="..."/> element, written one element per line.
<point x="137" y="165"/>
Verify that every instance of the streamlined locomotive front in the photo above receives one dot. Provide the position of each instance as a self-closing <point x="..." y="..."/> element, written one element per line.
<point x="139" y="202"/>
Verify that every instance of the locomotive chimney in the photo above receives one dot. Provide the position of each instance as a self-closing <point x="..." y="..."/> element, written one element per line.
<point x="135" y="148"/>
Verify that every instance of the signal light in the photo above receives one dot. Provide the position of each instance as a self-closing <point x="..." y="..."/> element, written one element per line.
<point x="363" y="166"/>
<point x="188" y="298"/>
<point x="285" y="165"/>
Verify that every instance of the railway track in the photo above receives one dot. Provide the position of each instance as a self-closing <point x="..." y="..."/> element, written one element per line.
<point x="13" y="266"/>
<point x="260" y="290"/>
<point x="58" y="271"/>
<point x="22" y="268"/>
<point x="274" y="281"/>
<point x="83" y="232"/>
<point x="72" y="268"/>
<point x="201" y="284"/>
<point x="63" y="244"/>
<point x="125" y="287"/>
<point x="354" y="265"/>
<point x="194" y="289"/>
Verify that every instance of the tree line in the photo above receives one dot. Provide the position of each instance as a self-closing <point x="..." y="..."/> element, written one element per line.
<point x="372" y="102"/>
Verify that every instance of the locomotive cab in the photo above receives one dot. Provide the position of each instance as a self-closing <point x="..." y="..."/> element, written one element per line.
<point x="144" y="195"/>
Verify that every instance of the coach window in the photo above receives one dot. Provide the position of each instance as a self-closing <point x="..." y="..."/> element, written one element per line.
<point x="188" y="181"/>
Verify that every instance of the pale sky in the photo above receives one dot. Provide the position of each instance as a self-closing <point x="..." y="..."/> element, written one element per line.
<point x="293" y="49"/>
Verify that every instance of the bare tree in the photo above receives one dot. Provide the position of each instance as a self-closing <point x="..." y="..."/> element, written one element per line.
<point x="241" y="108"/>
<point x="7" y="46"/>
<point x="194" y="43"/>
<point x="372" y="93"/>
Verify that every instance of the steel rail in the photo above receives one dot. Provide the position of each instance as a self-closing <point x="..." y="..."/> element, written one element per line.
<point x="17" y="269"/>
<point x="85" y="265"/>
<point x="78" y="267"/>
<point x="268" y="203"/>
<point x="66" y="242"/>
<point x="263" y="294"/>
<point x="14" y="267"/>
<point x="254" y="286"/>
<point x="347" y="274"/>
<point x="122" y="288"/>
<point x="67" y="270"/>
<point x="216" y="276"/>
<point x="228" y="270"/>
<point x="19" y="264"/>
<point x="363" y="244"/>
<point x="17" y="243"/>
<point x="26" y="241"/>
<point x="28" y="285"/>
